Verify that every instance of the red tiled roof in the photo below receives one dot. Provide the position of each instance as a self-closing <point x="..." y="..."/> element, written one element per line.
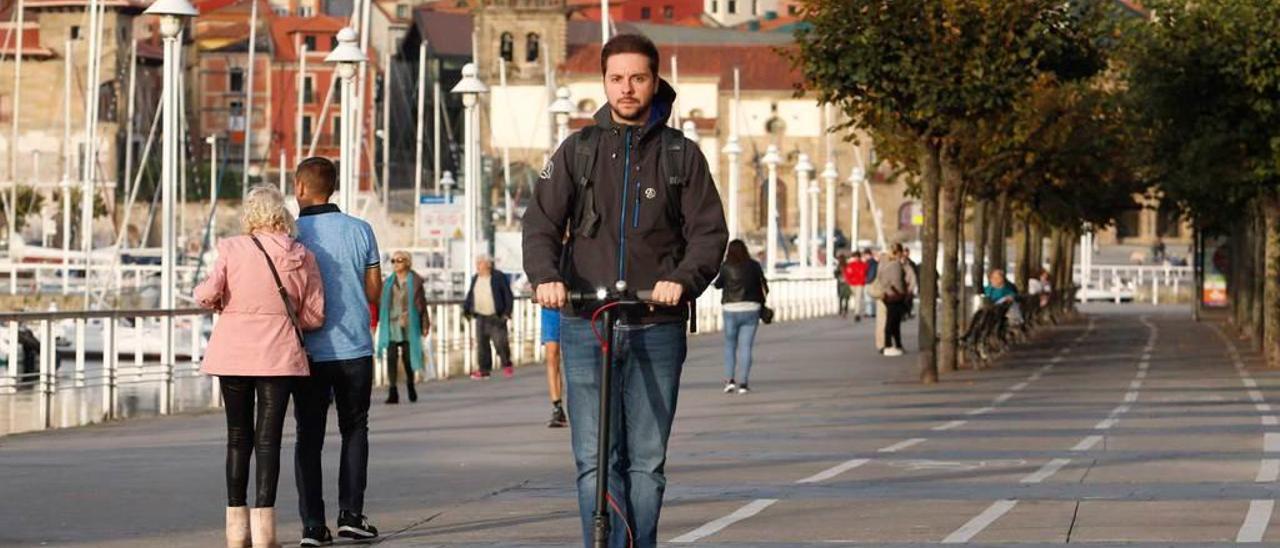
<point x="284" y="29"/>
<point x="36" y="4"/>
<point x="761" y="67"/>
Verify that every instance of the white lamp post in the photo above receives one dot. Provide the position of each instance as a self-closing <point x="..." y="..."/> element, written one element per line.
<point x="804" y="169"/>
<point x="855" y="183"/>
<point x="771" y="160"/>
<point x="829" y="174"/>
<point x="561" y="108"/>
<point x="470" y="88"/>
<point x="172" y="14"/>
<point x="734" y="151"/>
<point x="347" y="56"/>
<point x="448" y="183"/>
<point x="690" y="131"/>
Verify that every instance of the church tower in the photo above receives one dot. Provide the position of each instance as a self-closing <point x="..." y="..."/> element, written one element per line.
<point x="528" y="34"/>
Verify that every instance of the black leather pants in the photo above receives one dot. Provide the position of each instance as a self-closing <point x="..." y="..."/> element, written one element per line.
<point x="249" y="433"/>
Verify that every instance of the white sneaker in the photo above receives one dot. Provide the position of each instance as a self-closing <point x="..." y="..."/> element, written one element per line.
<point x="743" y="389"/>
<point x="730" y="388"/>
<point x="893" y="351"/>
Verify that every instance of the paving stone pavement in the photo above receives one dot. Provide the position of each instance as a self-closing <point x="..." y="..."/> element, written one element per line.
<point x="1132" y="427"/>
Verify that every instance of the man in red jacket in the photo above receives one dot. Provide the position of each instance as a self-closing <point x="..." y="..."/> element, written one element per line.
<point x="855" y="274"/>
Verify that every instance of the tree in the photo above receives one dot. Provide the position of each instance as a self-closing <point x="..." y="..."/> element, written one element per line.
<point x="913" y="74"/>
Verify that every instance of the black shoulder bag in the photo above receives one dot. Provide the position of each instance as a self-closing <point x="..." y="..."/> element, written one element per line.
<point x="284" y="297"/>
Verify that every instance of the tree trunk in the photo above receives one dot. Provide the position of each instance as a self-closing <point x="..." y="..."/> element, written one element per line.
<point x="953" y="206"/>
<point x="1271" y="288"/>
<point x="1257" y="269"/>
<point x="931" y="175"/>
<point x="999" y="227"/>
<point x="1024" y="255"/>
<point x="1037" y="249"/>
<point x="980" y="220"/>
<point x="1237" y="289"/>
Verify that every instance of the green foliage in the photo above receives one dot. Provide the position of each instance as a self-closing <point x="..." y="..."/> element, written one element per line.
<point x="1204" y="82"/>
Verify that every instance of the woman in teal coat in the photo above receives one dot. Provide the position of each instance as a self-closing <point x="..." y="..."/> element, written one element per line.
<point x="403" y="321"/>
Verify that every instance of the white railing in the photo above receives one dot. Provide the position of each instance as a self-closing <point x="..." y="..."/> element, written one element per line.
<point x="1132" y="283"/>
<point x="106" y="365"/>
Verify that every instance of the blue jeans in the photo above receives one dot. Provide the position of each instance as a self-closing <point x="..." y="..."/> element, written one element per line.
<point x="739" y="335"/>
<point x="647" y="361"/>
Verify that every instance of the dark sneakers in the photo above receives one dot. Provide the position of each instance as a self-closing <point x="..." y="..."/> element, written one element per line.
<point x="316" y="536"/>
<point x="558" y="419"/>
<point x="355" y="526"/>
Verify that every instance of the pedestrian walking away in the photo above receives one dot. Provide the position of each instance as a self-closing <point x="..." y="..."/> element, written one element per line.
<point x="267" y="290"/>
<point x="744" y="289"/>
<point x="555" y="379"/>
<point x="341" y="356"/>
<point x="404" y="321"/>
<point x="642" y="209"/>
<point x="842" y="288"/>
<point x="855" y="276"/>
<point x="488" y="303"/>
<point x="895" y="286"/>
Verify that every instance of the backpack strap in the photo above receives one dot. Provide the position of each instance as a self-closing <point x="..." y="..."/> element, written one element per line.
<point x="671" y="162"/>
<point x="586" y="218"/>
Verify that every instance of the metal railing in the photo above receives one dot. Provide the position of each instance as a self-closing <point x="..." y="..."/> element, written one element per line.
<point x="52" y="278"/>
<point x="1135" y="283"/>
<point x="65" y="369"/>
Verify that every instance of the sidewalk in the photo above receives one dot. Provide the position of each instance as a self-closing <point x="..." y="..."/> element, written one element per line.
<point x="1071" y="439"/>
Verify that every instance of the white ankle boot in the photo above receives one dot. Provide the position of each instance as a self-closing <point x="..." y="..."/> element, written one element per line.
<point x="237" y="527"/>
<point x="262" y="523"/>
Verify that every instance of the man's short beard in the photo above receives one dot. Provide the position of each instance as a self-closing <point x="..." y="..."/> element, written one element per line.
<point x="640" y="116"/>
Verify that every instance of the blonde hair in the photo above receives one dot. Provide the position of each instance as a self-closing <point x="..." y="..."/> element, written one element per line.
<point x="264" y="209"/>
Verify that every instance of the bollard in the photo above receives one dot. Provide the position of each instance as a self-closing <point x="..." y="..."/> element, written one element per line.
<point x="14" y="358"/>
<point x="1155" y="291"/>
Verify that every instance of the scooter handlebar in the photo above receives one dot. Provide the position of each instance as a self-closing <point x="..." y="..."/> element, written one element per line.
<point x="642" y="296"/>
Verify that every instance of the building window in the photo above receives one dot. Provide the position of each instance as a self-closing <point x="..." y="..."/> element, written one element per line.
<point x="75" y="32"/>
<point x="775" y="126"/>
<point x="793" y="10"/>
<point x="507" y="48"/>
<point x="669" y="12"/>
<point x="336" y="136"/>
<point x="308" y="89"/>
<point x="306" y="130"/>
<point x="305" y="11"/>
<point x="715" y="6"/>
<point x="733" y="7"/>
<point x="755" y="7"/>
<point x="402" y="11"/>
<point x="333" y="42"/>
<point x="236" y="80"/>
<point x="309" y="41"/>
<point x="644" y="13"/>
<point x="531" y="46"/>
<point x="235" y="122"/>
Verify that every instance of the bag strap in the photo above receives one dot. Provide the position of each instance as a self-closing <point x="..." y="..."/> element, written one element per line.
<point x="671" y="162"/>
<point x="586" y="218"/>
<point x="284" y="295"/>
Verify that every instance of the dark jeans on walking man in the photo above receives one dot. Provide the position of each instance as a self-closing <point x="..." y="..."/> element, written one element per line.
<point x="492" y="330"/>
<point x="349" y="383"/>
<point x="647" y="361"/>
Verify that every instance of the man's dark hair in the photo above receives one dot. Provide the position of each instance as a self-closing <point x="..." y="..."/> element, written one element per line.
<point x="629" y="43"/>
<point x="320" y="175"/>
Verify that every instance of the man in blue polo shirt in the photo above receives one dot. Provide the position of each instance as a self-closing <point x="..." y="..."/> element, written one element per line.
<point x="341" y="355"/>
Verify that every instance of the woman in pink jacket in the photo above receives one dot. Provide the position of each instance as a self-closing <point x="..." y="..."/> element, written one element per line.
<point x="256" y="350"/>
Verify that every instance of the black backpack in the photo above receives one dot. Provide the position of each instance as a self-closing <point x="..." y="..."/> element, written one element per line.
<point x="586" y="220"/>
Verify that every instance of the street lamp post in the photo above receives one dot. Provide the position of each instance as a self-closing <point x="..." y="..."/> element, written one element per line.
<point x="690" y="131"/>
<point x="855" y="183"/>
<point x="561" y="108"/>
<point x="734" y="151"/>
<point x="348" y="57"/>
<point x="829" y="174"/>
<point x="771" y="160"/>
<point x="172" y="15"/>
<point x="448" y="183"/>
<point x="470" y="88"/>
<point x="804" y="169"/>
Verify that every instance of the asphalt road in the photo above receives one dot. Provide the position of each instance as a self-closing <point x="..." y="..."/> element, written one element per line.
<point x="1134" y="426"/>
